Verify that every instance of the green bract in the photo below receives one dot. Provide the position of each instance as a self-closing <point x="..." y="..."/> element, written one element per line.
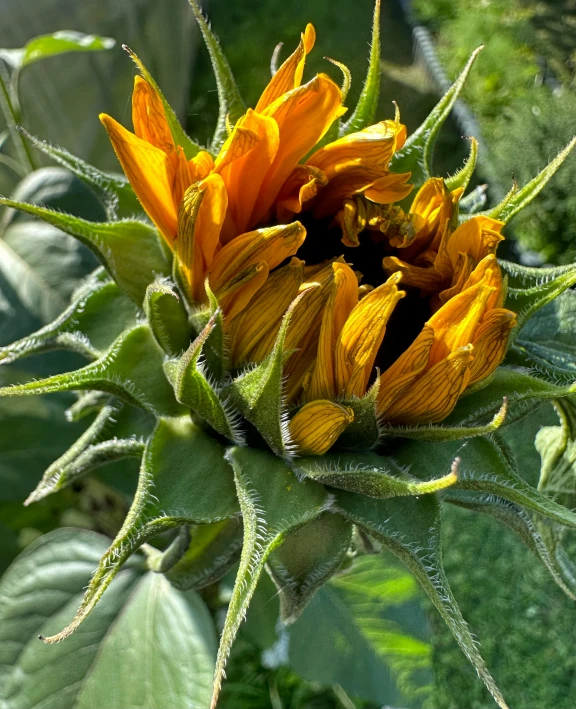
<point x="216" y="463"/>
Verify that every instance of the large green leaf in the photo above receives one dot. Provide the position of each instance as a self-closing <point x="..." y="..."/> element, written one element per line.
<point x="184" y="479"/>
<point x="366" y="631"/>
<point x="141" y="612"/>
<point x="49" y="45"/>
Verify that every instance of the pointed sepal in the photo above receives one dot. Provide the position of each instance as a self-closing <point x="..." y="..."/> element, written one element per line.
<point x="416" y="155"/>
<point x="231" y="103"/>
<point x="461" y="179"/>
<point x="365" y="112"/>
<point x="113" y="243"/>
<point x="131" y="370"/>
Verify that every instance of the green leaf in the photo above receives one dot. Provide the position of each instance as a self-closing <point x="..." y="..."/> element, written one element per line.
<point x="184" y="479"/>
<point x="514" y="203"/>
<point x="368" y="474"/>
<point x="88" y="326"/>
<point x="306" y="560"/>
<point x="195" y="390"/>
<point x="49" y="45"/>
<point x="231" y="104"/>
<point x="167" y="318"/>
<point x="140" y="611"/>
<point x="273" y="503"/>
<point x="522" y="390"/>
<point x="557" y="448"/>
<point x="366" y="631"/>
<point x="178" y="133"/>
<point x="113" y="243"/>
<point x="365" y="430"/>
<point x="410" y="528"/>
<point x="526" y="300"/>
<point x="131" y="370"/>
<point x="114" y="191"/>
<point x="365" y="111"/>
<point x="546" y="343"/>
<point x="117" y="432"/>
<point x="213" y="549"/>
<point x="416" y="155"/>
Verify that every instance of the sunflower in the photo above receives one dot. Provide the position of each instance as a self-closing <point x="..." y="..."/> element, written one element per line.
<point x="401" y="306"/>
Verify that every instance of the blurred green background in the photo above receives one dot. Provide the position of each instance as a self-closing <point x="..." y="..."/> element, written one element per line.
<point x="520" y="102"/>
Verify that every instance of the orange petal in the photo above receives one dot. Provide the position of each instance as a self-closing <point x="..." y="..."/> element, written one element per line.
<point x="317" y="426"/>
<point x="428" y="279"/>
<point x="433" y="395"/>
<point x="150" y="172"/>
<point x="303" y="116"/>
<point x="479" y="236"/>
<point x="361" y="337"/>
<point x="253" y="332"/>
<point x="235" y="294"/>
<point x="149" y="118"/>
<point x="455" y="323"/>
<point x="340" y="304"/>
<point x="490" y="342"/>
<point x="244" y="176"/>
<point x="301" y="186"/>
<point x="200" y="220"/>
<point x="289" y="75"/>
<point x="272" y="245"/>
<point x="390" y="188"/>
<point x="405" y="369"/>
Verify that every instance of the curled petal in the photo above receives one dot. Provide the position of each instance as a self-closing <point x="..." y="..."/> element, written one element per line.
<point x="271" y="245"/>
<point x="302" y="186"/>
<point x="236" y="293"/>
<point x="289" y="75"/>
<point x="239" y="142"/>
<point x="490" y="342"/>
<point x="200" y="220"/>
<point x="243" y="176"/>
<point x="253" y="332"/>
<point x="428" y="279"/>
<point x="317" y="426"/>
<point x="340" y="304"/>
<point x="361" y="337"/>
<point x="479" y="236"/>
<point x="434" y="394"/>
<point x="303" y="116"/>
<point x="389" y="188"/>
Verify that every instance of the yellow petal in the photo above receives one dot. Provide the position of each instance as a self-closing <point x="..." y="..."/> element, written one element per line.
<point x="455" y="323"/>
<point x="433" y="395"/>
<point x="490" y="342"/>
<point x="389" y="188"/>
<point x="428" y="279"/>
<point x="244" y="175"/>
<point x="272" y="245"/>
<point x="239" y="142"/>
<point x="301" y="186"/>
<point x="149" y="118"/>
<point x="340" y="304"/>
<point x="488" y="272"/>
<point x="201" y="165"/>
<point x="200" y="219"/>
<point x="235" y="294"/>
<point x="303" y="116"/>
<point x="405" y="369"/>
<point x="478" y="236"/>
<point x="150" y="172"/>
<point x="361" y="337"/>
<point x="317" y="426"/>
<point x="289" y="75"/>
<point x="253" y="332"/>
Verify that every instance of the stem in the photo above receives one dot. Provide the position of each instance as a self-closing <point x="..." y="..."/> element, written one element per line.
<point x="12" y="119"/>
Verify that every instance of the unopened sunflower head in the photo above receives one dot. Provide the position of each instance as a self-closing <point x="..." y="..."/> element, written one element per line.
<point x="309" y="299"/>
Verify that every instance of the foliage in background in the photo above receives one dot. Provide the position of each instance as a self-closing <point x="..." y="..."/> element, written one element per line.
<point x="523" y="97"/>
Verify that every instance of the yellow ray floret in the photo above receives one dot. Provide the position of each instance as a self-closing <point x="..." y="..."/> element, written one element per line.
<point x="317" y="426"/>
